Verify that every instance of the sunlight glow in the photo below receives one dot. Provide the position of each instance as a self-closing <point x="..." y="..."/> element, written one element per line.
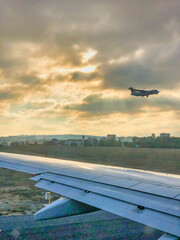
<point x="88" y="55"/>
<point x="139" y="53"/>
<point x="86" y="69"/>
<point x="96" y="83"/>
<point x="124" y="59"/>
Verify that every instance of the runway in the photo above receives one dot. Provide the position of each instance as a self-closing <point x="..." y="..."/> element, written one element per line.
<point x="96" y="225"/>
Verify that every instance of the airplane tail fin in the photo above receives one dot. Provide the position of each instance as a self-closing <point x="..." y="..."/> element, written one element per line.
<point x="132" y="89"/>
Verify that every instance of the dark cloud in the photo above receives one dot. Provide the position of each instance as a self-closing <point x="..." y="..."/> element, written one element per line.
<point x="21" y="87"/>
<point x="79" y="76"/>
<point x="7" y="63"/>
<point x="30" y="80"/>
<point x="23" y="20"/>
<point x="96" y="105"/>
<point x="113" y="28"/>
<point x="5" y="95"/>
<point x="76" y="76"/>
<point x="126" y="75"/>
<point x="166" y="104"/>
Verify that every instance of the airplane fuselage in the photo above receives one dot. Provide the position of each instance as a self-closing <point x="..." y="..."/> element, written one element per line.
<point x="142" y="93"/>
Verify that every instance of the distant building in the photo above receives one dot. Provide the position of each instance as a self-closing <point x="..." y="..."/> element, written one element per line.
<point x="129" y="139"/>
<point x="164" y="134"/>
<point x="126" y="139"/>
<point x="122" y="139"/>
<point x="75" y="142"/>
<point x="111" y="137"/>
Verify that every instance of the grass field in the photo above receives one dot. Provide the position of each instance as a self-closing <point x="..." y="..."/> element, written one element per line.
<point x="19" y="196"/>
<point x="160" y="160"/>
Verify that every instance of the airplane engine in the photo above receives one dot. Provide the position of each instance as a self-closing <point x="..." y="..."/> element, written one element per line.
<point x="63" y="207"/>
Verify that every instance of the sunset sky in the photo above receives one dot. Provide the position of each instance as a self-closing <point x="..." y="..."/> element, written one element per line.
<point x="66" y="66"/>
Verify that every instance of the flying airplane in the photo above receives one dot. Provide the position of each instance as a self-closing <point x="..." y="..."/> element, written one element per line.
<point x="142" y="93"/>
<point x="149" y="198"/>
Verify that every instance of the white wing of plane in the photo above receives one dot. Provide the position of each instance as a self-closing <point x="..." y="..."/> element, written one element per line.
<point x="149" y="198"/>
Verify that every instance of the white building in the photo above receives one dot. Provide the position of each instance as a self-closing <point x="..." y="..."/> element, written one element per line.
<point x="126" y="139"/>
<point x="129" y="139"/>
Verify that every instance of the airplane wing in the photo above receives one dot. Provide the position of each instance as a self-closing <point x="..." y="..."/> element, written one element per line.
<point x="149" y="198"/>
<point x="136" y="90"/>
<point x="139" y="90"/>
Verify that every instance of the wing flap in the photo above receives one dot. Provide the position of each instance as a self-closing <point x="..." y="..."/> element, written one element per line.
<point x="159" y="220"/>
<point x="155" y="202"/>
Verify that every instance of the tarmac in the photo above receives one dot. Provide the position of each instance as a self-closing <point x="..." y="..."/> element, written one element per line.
<point x="90" y="226"/>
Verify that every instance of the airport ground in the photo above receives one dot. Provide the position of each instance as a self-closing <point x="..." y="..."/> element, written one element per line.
<point x="21" y="199"/>
<point x="97" y="225"/>
<point x="152" y="159"/>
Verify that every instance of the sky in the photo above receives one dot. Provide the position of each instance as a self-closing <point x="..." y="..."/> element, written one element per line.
<point x="66" y="66"/>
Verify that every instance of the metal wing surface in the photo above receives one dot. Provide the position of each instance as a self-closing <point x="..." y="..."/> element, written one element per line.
<point x="149" y="198"/>
<point x="139" y="90"/>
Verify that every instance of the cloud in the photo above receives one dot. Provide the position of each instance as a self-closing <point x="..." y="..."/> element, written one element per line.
<point x="127" y="75"/>
<point x="166" y="104"/>
<point x="121" y="37"/>
<point x="7" y="95"/>
<point x="97" y="105"/>
<point x="30" y="80"/>
<point x="99" y="46"/>
<point x="79" y="76"/>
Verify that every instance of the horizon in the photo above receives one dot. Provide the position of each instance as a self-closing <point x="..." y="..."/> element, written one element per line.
<point x="118" y="136"/>
<point x="67" y="66"/>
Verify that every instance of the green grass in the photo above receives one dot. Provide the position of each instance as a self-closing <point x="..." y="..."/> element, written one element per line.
<point x="19" y="195"/>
